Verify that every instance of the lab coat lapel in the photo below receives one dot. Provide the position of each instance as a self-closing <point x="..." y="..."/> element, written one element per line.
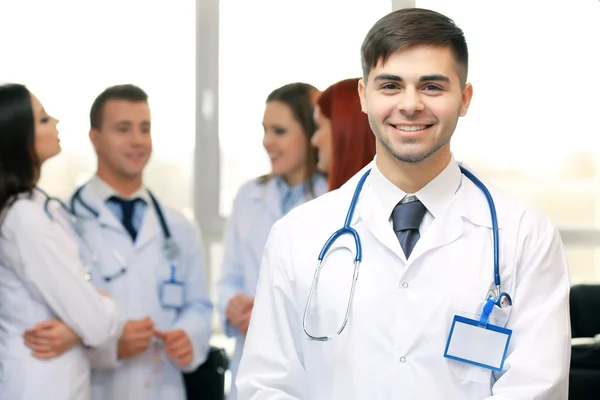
<point x="372" y="214"/>
<point x="106" y="218"/>
<point x="109" y="220"/>
<point x="470" y="205"/>
<point x="149" y="229"/>
<point x="476" y="209"/>
<point x="444" y="230"/>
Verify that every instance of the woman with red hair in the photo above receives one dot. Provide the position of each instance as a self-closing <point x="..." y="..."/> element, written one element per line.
<point x="343" y="136"/>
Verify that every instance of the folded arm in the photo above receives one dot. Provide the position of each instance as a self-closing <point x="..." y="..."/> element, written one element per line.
<point x="50" y="266"/>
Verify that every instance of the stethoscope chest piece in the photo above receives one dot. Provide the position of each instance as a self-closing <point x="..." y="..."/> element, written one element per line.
<point x="503" y="300"/>
<point x="171" y="249"/>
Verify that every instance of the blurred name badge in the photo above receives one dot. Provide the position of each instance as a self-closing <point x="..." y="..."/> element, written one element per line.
<point x="172" y="294"/>
<point x="472" y="342"/>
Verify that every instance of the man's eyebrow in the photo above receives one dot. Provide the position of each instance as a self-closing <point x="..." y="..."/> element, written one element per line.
<point x="424" y="78"/>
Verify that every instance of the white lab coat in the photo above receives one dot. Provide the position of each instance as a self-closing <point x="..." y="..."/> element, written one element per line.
<point x="137" y="295"/>
<point x="393" y="344"/>
<point x="41" y="277"/>
<point x="256" y="207"/>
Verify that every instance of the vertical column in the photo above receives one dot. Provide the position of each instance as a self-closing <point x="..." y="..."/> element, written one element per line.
<point x="207" y="154"/>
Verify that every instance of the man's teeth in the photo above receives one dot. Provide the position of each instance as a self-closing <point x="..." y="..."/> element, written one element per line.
<point x="411" y="128"/>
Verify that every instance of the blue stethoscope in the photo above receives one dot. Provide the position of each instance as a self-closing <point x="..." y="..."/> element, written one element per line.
<point x="494" y="296"/>
<point x="172" y="291"/>
<point x="170" y="248"/>
<point x="74" y="223"/>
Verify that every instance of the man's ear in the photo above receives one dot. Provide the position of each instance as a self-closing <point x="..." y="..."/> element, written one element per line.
<point x="466" y="99"/>
<point x="93" y="135"/>
<point x="362" y="88"/>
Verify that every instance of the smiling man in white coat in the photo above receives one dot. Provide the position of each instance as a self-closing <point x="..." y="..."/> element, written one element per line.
<point x="462" y="292"/>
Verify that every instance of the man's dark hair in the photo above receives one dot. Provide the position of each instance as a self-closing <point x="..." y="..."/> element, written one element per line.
<point x="409" y="27"/>
<point x="119" y="92"/>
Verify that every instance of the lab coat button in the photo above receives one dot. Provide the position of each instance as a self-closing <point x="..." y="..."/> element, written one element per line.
<point x="405" y="285"/>
<point x="402" y="359"/>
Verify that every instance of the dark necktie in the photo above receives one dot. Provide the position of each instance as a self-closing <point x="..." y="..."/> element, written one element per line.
<point x="127" y="207"/>
<point x="406" y="219"/>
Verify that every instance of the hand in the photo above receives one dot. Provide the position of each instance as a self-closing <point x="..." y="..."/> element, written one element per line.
<point x="178" y="346"/>
<point x="50" y="339"/>
<point x="243" y="326"/>
<point x="238" y="308"/>
<point x="136" y="337"/>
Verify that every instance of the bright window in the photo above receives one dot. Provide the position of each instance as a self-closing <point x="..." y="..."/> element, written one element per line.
<point x="68" y="52"/>
<point x="532" y="125"/>
<point x="313" y="41"/>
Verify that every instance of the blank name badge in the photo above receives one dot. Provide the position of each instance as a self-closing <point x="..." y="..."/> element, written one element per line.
<point x="477" y="342"/>
<point x="172" y="294"/>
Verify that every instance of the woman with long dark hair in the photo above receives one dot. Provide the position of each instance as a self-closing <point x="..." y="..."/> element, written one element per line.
<point x="41" y="275"/>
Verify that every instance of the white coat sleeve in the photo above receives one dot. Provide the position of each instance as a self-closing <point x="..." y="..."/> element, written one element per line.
<point x="195" y="318"/>
<point x="106" y="356"/>
<point x="50" y="266"/>
<point x="272" y="367"/>
<point x="537" y="363"/>
<point x="231" y="281"/>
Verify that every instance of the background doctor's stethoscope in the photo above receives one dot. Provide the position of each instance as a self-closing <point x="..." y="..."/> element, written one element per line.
<point x="88" y="229"/>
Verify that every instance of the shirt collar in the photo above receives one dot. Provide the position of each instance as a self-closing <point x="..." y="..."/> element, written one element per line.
<point x="281" y="184"/>
<point x="284" y="188"/>
<point x="436" y="196"/>
<point x="104" y="191"/>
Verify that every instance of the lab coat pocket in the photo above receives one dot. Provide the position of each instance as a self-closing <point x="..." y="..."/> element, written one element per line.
<point x="468" y="372"/>
<point x="471" y="307"/>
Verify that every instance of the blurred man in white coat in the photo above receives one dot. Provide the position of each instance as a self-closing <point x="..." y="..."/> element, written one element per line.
<point x="462" y="292"/>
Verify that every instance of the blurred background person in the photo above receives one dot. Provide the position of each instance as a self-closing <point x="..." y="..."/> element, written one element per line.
<point x="288" y="128"/>
<point x="41" y="275"/>
<point x="343" y="137"/>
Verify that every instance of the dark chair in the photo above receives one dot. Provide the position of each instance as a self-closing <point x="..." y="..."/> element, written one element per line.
<point x="208" y="381"/>
<point x="584" y="375"/>
<point x="585" y="310"/>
